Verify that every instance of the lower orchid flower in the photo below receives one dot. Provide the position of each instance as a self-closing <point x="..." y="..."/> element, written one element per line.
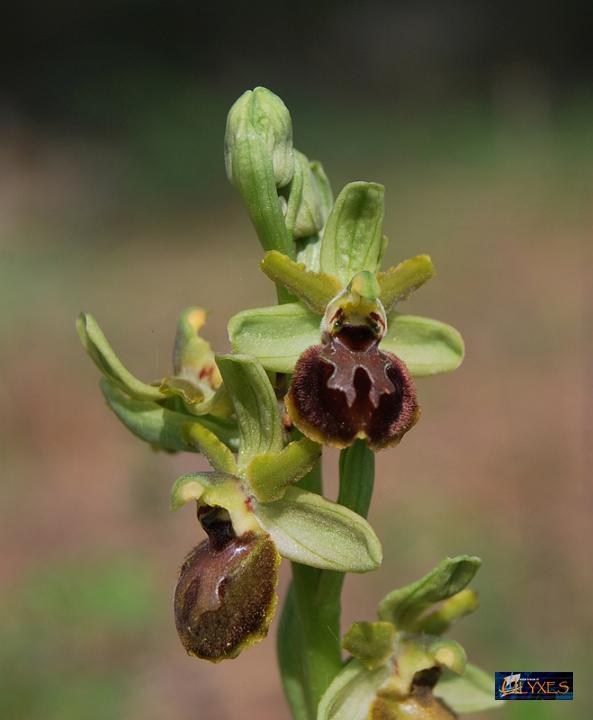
<point x="252" y="514"/>
<point x="401" y="667"/>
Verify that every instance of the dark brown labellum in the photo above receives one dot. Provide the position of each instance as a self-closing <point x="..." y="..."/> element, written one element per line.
<point x="225" y="596"/>
<point x="348" y="388"/>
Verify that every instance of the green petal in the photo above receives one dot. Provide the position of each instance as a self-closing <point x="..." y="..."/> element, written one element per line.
<point x="160" y="426"/>
<point x="313" y="531"/>
<point x="427" y="346"/>
<point x="471" y="692"/>
<point x="352" y="239"/>
<point x="101" y="352"/>
<point x="215" y="490"/>
<point x="316" y="290"/>
<point x="216" y="452"/>
<point x="370" y="642"/>
<point x="256" y="406"/>
<point x="275" y="335"/>
<point x="352" y="692"/>
<point x="270" y="474"/>
<point x="403" y="606"/>
<point x="447" y="613"/>
<point x="399" y="282"/>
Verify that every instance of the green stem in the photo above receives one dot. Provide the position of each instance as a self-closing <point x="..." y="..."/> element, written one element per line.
<point x="309" y="647"/>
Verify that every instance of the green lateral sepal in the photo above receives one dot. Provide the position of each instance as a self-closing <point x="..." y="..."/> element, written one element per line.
<point x="101" y="353"/>
<point x="311" y="530"/>
<point x="160" y="426"/>
<point x="275" y="335"/>
<point x="427" y="346"/>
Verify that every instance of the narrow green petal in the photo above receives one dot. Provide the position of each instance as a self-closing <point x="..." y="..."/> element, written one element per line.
<point x="275" y="335"/>
<point x="447" y="613"/>
<point x="313" y="531"/>
<point x="471" y="692"/>
<point x="427" y="346"/>
<point x="352" y="692"/>
<point x="256" y="406"/>
<point x="270" y="474"/>
<point x="399" y="282"/>
<point x="352" y="238"/>
<point x="160" y="426"/>
<point x="370" y="642"/>
<point x="216" y="452"/>
<point x="101" y="353"/>
<point x="403" y="606"/>
<point x="316" y="290"/>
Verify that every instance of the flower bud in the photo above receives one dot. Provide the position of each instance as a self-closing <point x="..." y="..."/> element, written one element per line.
<point x="225" y="596"/>
<point x="260" y="114"/>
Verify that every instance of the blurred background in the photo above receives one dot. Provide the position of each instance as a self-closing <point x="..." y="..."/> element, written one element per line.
<point x="478" y="118"/>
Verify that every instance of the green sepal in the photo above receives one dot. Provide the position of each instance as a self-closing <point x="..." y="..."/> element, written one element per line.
<point x="468" y="693"/>
<point x="351" y="693"/>
<point x="216" y="452"/>
<point x="403" y="606"/>
<point x="427" y="346"/>
<point x="315" y="290"/>
<point x="278" y="334"/>
<point x="370" y="642"/>
<point x="160" y="426"/>
<point x="275" y="335"/>
<point x="438" y="621"/>
<point x="313" y="531"/>
<point x="269" y="474"/>
<point x="101" y="353"/>
<point x="256" y="407"/>
<point x="352" y="238"/>
<point x="259" y="159"/>
<point x="213" y="489"/>
<point x="399" y="282"/>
